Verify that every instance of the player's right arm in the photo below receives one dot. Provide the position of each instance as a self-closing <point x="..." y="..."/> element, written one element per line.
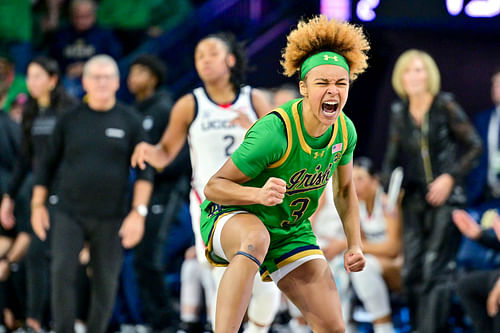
<point x="173" y="139"/>
<point x="249" y="160"/>
<point x="224" y="188"/>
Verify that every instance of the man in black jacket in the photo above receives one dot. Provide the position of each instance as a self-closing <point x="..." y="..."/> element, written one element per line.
<point x="171" y="187"/>
<point x="90" y="149"/>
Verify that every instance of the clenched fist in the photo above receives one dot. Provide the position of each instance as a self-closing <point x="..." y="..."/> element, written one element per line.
<point x="273" y="192"/>
<point x="354" y="260"/>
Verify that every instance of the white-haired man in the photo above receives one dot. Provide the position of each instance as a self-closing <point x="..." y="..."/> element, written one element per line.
<point x="88" y="156"/>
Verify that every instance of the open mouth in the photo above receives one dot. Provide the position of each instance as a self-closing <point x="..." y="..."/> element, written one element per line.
<point x="330" y="107"/>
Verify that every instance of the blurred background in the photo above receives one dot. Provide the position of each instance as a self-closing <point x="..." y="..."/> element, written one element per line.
<point x="462" y="35"/>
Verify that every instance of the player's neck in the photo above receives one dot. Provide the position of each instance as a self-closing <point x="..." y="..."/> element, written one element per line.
<point x="221" y="92"/>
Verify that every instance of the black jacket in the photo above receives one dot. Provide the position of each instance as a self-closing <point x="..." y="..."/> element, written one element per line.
<point x="89" y="151"/>
<point x="10" y="142"/>
<point x="454" y="145"/>
<point x="156" y="114"/>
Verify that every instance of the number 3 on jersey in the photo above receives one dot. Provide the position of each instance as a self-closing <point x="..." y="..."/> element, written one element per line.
<point x="301" y="205"/>
<point x="303" y="202"/>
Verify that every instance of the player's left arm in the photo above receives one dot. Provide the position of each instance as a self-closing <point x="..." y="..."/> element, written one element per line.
<point x="347" y="205"/>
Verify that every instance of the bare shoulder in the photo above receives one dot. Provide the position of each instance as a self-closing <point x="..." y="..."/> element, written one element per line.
<point x="184" y="108"/>
<point x="260" y="102"/>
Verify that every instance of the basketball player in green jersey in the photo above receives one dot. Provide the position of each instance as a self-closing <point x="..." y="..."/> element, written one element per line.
<point x="260" y="200"/>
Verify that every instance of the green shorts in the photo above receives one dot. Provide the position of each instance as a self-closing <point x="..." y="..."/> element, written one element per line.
<point x="286" y="251"/>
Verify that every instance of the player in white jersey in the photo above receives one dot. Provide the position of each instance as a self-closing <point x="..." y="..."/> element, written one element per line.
<point x="381" y="229"/>
<point x="214" y="119"/>
<point x="213" y="136"/>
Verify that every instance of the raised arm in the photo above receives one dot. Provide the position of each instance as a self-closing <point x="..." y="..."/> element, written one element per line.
<point x="172" y="141"/>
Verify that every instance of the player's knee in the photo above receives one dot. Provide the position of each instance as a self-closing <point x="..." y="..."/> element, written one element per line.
<point x="335" y="328"/>
<point x="329" y="325"/>
<point x="256" y="243"/>
<point x="340" y="329"/>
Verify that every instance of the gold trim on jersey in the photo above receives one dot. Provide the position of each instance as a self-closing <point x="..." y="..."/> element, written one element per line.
<point x="344" y="133"/>
<point x="300" y="133"/>
<point x="335" y="130"/>
<point x="289" y="138"/>
<point x="208" y="250"/>
<point x="298" y="125"/>
<point x="298" y="256"/>
<point x="266" y="276"/>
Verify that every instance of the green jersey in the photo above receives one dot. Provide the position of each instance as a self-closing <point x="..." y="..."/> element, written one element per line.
<point x="279" y="146"/>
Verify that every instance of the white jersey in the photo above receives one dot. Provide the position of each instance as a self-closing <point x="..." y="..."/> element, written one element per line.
<point x="212" y="139"/>
<point x="374" y="226"/>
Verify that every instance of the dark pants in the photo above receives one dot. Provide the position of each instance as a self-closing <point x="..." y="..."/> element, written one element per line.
<point x="37" y="279"/>
<point x="473" y="289"/>
<point x="430" y="241"/>
<point x="37" y="259"/>
<point x="149" y="261"/>
<point x="68" y="236"/>
<point x="13" y="293"/>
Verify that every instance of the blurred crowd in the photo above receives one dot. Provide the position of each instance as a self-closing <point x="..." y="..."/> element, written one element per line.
<point x="101" y="246"/>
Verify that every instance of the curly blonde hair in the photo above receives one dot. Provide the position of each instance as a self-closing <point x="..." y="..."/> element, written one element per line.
<point x="320" y="34"/>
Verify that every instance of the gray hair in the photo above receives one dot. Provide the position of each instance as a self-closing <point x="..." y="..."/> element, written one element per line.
<point x="101" y="59"/>
<point x="76" y="3"/>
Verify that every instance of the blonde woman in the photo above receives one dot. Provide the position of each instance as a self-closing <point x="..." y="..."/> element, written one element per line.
<point x="432" y="138"/>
